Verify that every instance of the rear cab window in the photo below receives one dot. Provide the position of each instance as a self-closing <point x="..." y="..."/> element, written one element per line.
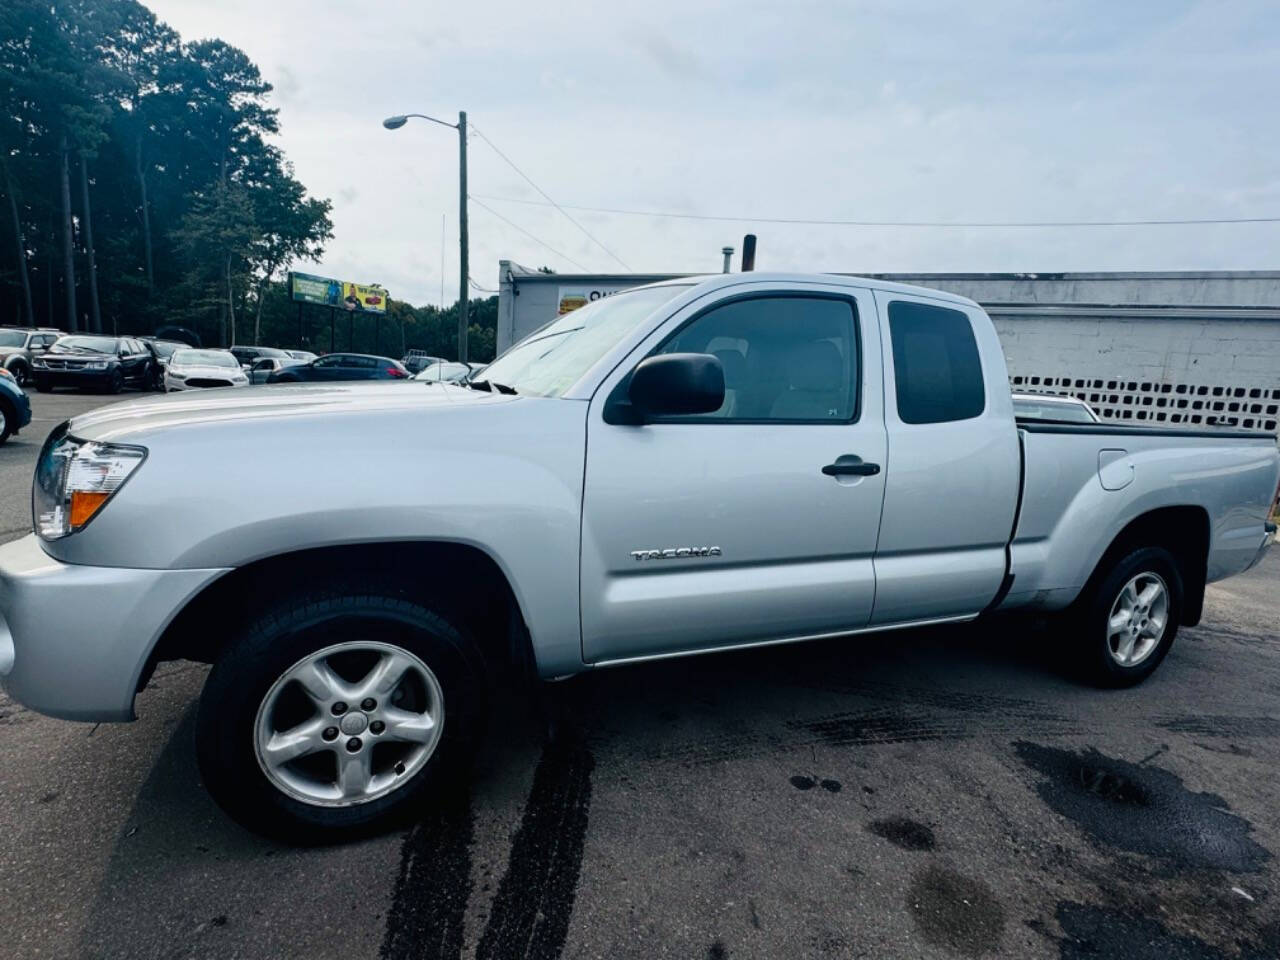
<point x="937" y="368"/>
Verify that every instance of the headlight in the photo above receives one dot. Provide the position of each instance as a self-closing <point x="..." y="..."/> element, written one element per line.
<point x="177" y="376"/>
<point x="75" y="479"/>
<point x="37" y="362"/>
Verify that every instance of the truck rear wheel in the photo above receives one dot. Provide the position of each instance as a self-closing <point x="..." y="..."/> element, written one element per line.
<point x="1129" y="621"/>
<point x="336" y="713"/>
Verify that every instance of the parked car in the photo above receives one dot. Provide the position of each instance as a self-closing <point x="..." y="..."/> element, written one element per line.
<point x="687" y="467"/>
<point x="170" y="331"/>
<point x="93" y="361"/>
<point x="341" y="366"/>
<point x="246" y="355"/>
<point x="262" y="368"/>
<point x="302" y="354"/>
<point x="161" y="351"/>
<point x="15" y="407"/>
<point x="446" y="371"/>
<point x="19" y="345"/>
<point x="416" y="360"/>
<point x="191" y="369"/>
<point x="1039" y="406"/>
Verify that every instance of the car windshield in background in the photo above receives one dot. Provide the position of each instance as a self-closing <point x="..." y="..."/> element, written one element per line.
<point x="446" y="371"/>
<point x="203" y="358"/>
<point x="84" y="345"/>
<point x="12" y="338"/>
<point x="166" y="350"/>
<point x="550" y="361"/>
<point x="1051" y="410"/>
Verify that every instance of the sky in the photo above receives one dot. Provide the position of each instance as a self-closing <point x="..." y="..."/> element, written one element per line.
<point x="992" y="110"/>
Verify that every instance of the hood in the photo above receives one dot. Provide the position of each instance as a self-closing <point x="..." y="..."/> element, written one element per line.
<point x="279" y="402"/>
<point x="6" y="351"/>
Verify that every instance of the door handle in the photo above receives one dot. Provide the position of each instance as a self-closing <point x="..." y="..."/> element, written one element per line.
<point x="850" y="465"/>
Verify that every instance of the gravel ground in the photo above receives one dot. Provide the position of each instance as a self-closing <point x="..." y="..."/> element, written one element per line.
<point x="933" y="794"/>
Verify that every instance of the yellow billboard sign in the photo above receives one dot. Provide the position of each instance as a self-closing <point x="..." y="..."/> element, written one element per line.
<point x="357" y="296"/>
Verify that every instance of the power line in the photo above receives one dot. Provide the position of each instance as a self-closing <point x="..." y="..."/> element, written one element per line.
<point x="476" y="286"/>
<point x="547" y="197"/>
<point x="516" y="226"/>
<point x="667" y="214"/>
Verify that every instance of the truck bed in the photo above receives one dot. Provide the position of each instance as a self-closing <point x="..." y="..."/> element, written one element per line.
<point x="1084" y="482"/>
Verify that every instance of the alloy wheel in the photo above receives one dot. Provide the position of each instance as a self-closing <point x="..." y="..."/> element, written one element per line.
<point x="1138" y="619"/>
<point x="349" y="723"/>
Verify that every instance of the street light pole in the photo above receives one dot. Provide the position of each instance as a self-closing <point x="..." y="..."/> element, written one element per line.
<point x="464" y="276"/>
<point x="395" y="123"/>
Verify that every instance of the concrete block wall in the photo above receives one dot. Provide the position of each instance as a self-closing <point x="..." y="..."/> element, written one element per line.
<point x="1158" y="370"/>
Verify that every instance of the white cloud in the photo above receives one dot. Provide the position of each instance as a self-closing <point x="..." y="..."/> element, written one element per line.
<point x="992" y="110"/>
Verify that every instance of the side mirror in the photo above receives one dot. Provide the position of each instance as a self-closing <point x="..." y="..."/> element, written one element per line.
<point x="674" y="384"/>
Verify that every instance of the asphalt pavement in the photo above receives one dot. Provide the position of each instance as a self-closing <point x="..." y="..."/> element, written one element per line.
<point x="934" y="794"/>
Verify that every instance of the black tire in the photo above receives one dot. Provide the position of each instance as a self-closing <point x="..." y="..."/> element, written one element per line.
<point x="116" y="383"/>
<point x="8" y="417"/>
<point x="1089" y="624"/>
<point x="274" y="642"/>
<point x="21" y="372"/>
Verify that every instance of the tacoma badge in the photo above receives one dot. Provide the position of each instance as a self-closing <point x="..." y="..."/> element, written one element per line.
<point x="676" y="553"/>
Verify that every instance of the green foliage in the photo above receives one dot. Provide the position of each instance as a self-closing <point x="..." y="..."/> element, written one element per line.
<point x="195" y="213"/>
<point x="424" y="328"/>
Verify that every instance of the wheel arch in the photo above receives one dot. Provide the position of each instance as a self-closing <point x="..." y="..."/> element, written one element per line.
<point x="463" y="579"/>
<point x="1184" y="532"/>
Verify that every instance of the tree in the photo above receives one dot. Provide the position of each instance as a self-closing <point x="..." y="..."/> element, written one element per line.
<point x="291" y="226"/>
<point x="183" y="205"/>
<point x="215" y="239"/>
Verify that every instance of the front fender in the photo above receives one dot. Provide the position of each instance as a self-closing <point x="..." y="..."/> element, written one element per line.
<point x="505" y="480"/>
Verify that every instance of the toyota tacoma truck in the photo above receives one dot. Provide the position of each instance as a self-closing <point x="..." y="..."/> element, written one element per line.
<point x="687" y="467"/>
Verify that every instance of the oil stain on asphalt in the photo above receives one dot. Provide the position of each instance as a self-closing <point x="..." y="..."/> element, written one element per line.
<point x="904" y="833"/>
<point x="1143" y="809"/>
<point x="955" y="912"/>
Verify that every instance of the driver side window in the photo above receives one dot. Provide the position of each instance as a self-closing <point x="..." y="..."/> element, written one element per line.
<point x="785" y="358"/>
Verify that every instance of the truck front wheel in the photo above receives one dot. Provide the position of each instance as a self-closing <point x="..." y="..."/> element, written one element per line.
<point x="336" y="713"/>
<point x="1129" y="621"/>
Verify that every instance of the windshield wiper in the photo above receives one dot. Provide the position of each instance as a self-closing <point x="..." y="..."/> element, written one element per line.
<point x="490" y="386"/>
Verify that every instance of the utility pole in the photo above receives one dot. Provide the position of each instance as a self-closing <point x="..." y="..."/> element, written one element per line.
<point x="395" y="123"/>
<point x="463" y="291"/>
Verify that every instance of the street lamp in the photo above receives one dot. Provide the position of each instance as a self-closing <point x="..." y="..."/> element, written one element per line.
<point x="395" y="123"/>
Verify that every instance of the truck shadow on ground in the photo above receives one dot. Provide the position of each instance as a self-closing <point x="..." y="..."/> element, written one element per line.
<point x="182" y="874"/>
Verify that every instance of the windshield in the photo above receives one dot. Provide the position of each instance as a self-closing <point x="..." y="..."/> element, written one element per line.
<point x="12" y="338"/>
<point x="1051" y="410"/>
<point x="203" y="358"/>
<point x="164" y="349"/>
<point x="84" y="345"/>
<point x="444" y="371"/>
<point x="550" y="361"/>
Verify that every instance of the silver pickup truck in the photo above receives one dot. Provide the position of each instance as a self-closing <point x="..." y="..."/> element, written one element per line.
<point x="687" y="467"/>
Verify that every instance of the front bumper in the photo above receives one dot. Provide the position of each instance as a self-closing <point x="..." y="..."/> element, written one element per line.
<point x="75" y="639"/>
<point x="71" y="377"/>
